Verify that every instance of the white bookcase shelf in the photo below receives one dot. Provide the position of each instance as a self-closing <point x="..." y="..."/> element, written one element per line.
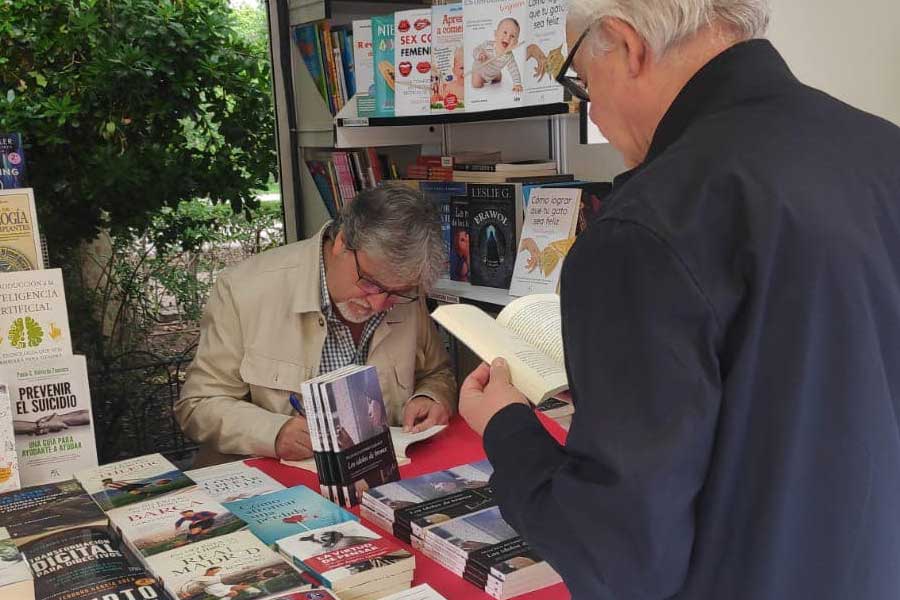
<point x="455" y="292"/>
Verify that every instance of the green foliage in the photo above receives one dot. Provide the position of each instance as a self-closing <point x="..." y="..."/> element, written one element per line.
<point x="175" y="259"/>
<point x="129" y="106"/>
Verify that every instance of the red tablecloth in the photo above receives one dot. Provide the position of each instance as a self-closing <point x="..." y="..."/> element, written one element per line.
<point x="454" y="446"/>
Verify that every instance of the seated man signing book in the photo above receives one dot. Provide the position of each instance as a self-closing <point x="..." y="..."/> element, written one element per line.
<point x="352" y="294"/>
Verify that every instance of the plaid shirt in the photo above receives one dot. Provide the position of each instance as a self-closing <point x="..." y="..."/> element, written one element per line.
<point x="339" y="349"/>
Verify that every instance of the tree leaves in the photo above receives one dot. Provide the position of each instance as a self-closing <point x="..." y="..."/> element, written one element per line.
<point x="134" y="105"/>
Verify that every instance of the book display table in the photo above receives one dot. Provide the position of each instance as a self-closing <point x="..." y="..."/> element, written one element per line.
<point x="456" y="445"/>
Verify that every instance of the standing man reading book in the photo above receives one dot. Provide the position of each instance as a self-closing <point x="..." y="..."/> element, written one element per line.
<point x="353" y="294"/>
<point x="731" y="326"/>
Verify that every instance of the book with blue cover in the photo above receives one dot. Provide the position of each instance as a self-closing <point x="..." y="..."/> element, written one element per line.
<point x="383" y="57"/>
<point x="439" y="192"/>
<point x="278" y="515"/>
<point x="12" y="161"/>
<point x="307" y="39"/>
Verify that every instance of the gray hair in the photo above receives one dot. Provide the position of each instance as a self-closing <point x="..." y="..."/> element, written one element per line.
<point x="665" y="23"/>
<point x="397" y="226"/>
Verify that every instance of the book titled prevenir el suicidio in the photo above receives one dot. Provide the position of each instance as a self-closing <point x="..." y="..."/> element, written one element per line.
<point x="51" y="411"/>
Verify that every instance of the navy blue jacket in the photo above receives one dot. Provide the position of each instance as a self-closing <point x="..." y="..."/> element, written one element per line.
<point x="732" y="339"/>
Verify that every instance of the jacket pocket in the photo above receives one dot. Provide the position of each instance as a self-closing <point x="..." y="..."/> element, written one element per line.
<point x="262" y="371"/>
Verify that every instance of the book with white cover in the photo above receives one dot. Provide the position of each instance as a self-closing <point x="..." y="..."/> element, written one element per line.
<point x="233" y="481"/>
<point x="52" y="418"/>
<point x="51" y="406"/>
<point x="236" y="565"/>
<point x="547" y="234"/>
<point x="9" y="460"/>
<point x="364" y="67"/>
<point x="132" y="480"/>
<point x="412" y="62"/>
<point x="545" y="50"/>
<point x="422" y="591"/>
<point x="527" y="333"/>
<point x="346" y="555"/>
<point x="494" y="35"/>
<point x="171" y="521"/>
<point x="447" y="59"/>
<point x="34" y="323"/>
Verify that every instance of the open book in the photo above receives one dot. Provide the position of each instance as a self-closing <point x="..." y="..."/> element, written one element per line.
<point x="527" y="333"/>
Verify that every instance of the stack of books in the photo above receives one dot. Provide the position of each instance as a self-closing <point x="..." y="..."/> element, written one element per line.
<point x="500" y="172"/>
<point x="420" y="592"/>
<point x="350" y="434"/>
<point x="64" y="538"/>
<point x="485" y="551"/>
<point x="187" y="539"/>
<point x="412" y="505"/>
<point x="352" y="560"/>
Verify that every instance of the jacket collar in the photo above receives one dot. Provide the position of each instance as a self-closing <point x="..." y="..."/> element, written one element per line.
<point x="306" y="293"/>
<point x="741" y="74"/>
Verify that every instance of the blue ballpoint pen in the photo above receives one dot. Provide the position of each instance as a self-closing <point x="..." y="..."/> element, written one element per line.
<point x="298" y="406"/>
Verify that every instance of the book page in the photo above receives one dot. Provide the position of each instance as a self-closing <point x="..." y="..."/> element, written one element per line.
<point x="534" y="373"/>
<point x="537" y="320"/>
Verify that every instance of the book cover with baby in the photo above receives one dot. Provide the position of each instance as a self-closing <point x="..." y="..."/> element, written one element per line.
<point x="493" y="36"/>
<point x="448" y="82"/>
<point x="412" y="62"/>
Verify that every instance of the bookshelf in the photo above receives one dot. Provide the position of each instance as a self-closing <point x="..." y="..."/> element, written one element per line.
<point x="304" y="120"/>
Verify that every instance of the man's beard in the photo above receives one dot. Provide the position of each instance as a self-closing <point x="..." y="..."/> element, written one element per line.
<point x="355" y="310"/>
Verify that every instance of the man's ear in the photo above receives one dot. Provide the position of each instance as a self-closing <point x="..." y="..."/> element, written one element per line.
<point x="339" y="244"/>
<point x="627" y="40"/>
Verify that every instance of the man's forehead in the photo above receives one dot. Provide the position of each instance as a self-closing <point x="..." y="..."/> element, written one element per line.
<point x="381" y="271"/>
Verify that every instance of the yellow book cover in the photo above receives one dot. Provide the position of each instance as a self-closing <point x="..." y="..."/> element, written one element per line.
<point x="20" y="245"/>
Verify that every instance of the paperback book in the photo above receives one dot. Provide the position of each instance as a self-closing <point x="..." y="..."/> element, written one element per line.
<point x="547" y="235"/>
<point x="77" y="564"/>
<point x="37" y="511"/>
<point x="448" y="90"/>
<point x="493" y="41"/>
<point x="12" y="161"/>
<point x="483" y="549"/>
<point x="527" y="333"/>
<point x="348" y="558"/>
<point x="495" y="220"/>
<point x="132" y="480"/>
<point x="306" y="38"/>
<point x="439" y="193"/>
<point x="545" y="50"/>
<point x="20" y="240"/>
<point x="460" y="262"/>
<point x="34" y="323"/>
<point x="412" y="62"/>
<point x="233" y="481"/>
<point x="16" y="580"/>
<point x="383" y="58"/>
<point x="312" y="594"/>
<point x="52" y="418"/>
<point x="233" y="566"/>
<point x="406" y="493"/>
<point x="281" y="514"/>
<point x="364" y="61"/>
<point x="9" y="460"/>
<point x="349" y="430"/>
<point x="171" y="521"/>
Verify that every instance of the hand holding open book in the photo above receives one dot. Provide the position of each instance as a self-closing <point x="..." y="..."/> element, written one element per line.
<point x="527" y="333"/>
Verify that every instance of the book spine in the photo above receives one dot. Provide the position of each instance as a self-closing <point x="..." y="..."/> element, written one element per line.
<point x="480" y="168"/>
<point x="345" y="176"/>
<point x="339" y="67"/>
<point x="331" y="72"/>
<point x="376" y="165"/>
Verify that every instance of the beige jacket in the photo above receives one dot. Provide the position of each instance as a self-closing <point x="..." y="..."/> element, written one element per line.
<point x="262" y="336"/>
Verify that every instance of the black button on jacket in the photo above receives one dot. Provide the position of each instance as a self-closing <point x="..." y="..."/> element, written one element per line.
<point x="732" y="338"/>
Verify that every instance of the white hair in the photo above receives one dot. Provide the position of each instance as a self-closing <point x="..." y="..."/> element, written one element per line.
<point x="665" y="23"/>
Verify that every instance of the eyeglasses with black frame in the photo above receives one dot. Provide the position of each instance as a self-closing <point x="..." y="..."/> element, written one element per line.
<point x="574" y="85"/>
<point x="373" y="288"/>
